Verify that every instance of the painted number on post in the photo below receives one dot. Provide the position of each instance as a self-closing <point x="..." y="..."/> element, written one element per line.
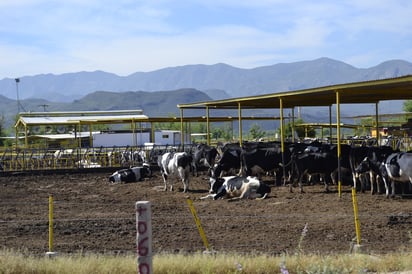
<point x="144" y="237"/>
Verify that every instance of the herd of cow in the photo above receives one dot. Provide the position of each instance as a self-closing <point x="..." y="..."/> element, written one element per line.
<point x="235" y="171"/>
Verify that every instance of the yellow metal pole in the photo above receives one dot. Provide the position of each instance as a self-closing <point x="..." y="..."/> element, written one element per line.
<point x="182" y="136"/>
<point x="239" y="110"/>
<point x="198" y="224"/>
<point x="355" y="211"/>
<point x="378" y="138"/>
<point x="282" y="139"/>
<point x="207" y="126"/>
<point x="51" y="223"/>
<point x="338" y="142"/>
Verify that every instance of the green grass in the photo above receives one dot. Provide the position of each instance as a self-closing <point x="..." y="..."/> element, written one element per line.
<point x="21" y="262"/>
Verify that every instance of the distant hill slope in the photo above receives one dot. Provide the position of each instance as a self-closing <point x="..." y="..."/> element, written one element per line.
<point x="153" y="104"/>
<point x="158" y="92"/>
<point x="231" y="81"/>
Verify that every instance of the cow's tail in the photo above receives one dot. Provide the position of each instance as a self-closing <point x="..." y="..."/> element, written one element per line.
<point x="287" y="164"/>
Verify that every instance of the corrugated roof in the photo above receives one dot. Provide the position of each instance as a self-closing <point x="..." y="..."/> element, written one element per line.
<point x="352" y="93"/>
<point x="68" y="120"/>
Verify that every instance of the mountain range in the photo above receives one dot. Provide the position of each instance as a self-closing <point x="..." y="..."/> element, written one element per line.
<point x="158" y="92"/>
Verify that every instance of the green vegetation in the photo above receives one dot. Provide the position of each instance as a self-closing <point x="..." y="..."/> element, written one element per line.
<point x="255" y="132"/>
<point x="21" y="262"/>
<point x="300" y="130"/>
<point x="407" y="106"/>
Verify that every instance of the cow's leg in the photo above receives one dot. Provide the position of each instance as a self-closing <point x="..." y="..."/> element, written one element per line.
<point x="300" y="182"/>
<point x="165" y="181"/>
<point x="355" y="176"/>
<point x="372" y="181"/>
<point x="185" y="184"/>
<point x="208" y="196"/>
<point x="362" y="180"/>
<point x="184" y="177"/>
<point x="393" y="189"/>
<point x="386" y="183"/>
<point x="381" y="184"/>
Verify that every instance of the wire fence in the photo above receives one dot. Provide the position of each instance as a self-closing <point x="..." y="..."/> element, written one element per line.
<point x="29" y="159"/>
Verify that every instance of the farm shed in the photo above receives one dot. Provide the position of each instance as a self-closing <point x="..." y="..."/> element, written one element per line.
<point x="76" y="125"/>
<point x="74" y="128"/>
<point x="399" y="88"/>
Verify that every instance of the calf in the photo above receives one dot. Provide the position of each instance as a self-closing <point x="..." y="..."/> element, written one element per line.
<point x="237" y="188"/>
<point x="129" y="175"/>
<point x="176" y="164"/>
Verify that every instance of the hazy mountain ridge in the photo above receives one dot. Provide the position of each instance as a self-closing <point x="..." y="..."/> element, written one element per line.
<point x="158" y="92"/>
<point x="153" y="104"/>
<point x="234" y="81"/>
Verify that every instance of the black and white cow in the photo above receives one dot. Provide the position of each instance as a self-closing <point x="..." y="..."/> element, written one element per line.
<point x="230" y="160"/>
<point x="130" y="157"/>
<point x="356" y="157"/>
<point x="372" y="164"/>
<point x="130" y="175"/>
<point x="398" y="167"/>
<point x="325" y="163"/>
<point x="264" y="159"/>
<point x="177" y="164"/>
<point x="204" y="155"/>
<point x="237" y="188"/>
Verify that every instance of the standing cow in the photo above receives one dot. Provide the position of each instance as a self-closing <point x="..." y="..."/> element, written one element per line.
<point x="397" y="168"/>
<point x="204" y="155"/>
<point x="177" y="164"/>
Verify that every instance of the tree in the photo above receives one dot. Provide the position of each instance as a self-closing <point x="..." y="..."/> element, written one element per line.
<point x="255" y="132"/>
<point x="223" y="132"/>
<point x="407" y="106"/>
<point x="300" y="131"/>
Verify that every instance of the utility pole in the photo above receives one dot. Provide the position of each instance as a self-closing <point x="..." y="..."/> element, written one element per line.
<point x="17" y="91"/>
<point x="18" y="99"/>
<point x="44" y="106"/>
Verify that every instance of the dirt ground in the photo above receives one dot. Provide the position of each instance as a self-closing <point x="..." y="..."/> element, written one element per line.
<point x="93" y="215"/>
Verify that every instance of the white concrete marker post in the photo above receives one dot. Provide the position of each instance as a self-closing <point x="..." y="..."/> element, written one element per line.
<point x="144" y="237"/>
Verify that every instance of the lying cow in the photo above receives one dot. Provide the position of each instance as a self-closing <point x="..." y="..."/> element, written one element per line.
<point x="177" y="164"/>
<point x="237" y="188"/>
<point x="130" y="175"/>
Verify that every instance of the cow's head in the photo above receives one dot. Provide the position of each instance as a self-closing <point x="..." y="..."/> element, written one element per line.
<point x="215" y="184"/>
<point x="115" y="177"/>
<point x="146" y="170"/>
<point x="363" y="166"/>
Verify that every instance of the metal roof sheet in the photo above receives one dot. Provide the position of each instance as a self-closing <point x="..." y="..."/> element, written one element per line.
<point x="67" y="120"/>
<point x="399" y="88"/>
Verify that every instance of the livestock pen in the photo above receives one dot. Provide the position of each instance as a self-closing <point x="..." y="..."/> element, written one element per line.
<point x="92" y="215"/>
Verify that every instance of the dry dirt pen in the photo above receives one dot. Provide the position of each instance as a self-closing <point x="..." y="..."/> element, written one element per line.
<point x="92" y="215"/>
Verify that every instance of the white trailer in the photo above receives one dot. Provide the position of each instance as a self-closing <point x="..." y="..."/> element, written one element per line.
<point x="161" y="137"/>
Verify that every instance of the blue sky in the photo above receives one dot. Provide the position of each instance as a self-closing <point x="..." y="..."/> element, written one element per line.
<point x="127" y="36"/>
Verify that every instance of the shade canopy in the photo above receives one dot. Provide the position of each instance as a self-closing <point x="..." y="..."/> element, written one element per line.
<point x="399" y="88"/>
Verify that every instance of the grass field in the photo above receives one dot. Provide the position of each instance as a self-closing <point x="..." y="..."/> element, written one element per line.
<point x="19" y="262"/>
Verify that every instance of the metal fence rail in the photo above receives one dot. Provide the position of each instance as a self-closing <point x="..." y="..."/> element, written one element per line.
<point x="14" y="160"/>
